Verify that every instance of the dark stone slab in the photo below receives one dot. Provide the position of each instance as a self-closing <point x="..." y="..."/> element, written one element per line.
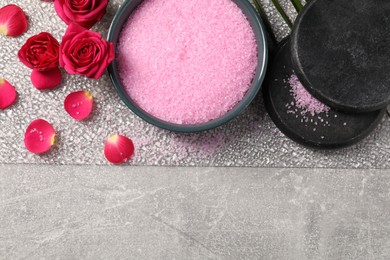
<point x="341" y="51"/>
<point x="332" y="129"/>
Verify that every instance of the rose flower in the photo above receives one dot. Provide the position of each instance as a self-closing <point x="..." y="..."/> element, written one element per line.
<point x="41" y="54"/>
<point x="82" y="12"/>
<point x="85" y="52"/>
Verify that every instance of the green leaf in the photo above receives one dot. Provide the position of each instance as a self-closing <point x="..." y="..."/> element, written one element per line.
<point x="297" y="5"/>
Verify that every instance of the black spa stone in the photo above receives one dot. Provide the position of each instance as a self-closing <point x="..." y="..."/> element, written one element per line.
<point x="332" y="129"/>
<point x="341" y="52"/>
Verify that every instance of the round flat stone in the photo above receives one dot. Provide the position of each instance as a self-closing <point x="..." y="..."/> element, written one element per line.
<point x="340" y="51"/>
<point x="332" y="129"/>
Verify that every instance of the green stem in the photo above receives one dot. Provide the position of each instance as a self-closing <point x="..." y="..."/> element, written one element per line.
<point x="267" y="24"/>
<point x="297" y="5"/>
<point x="282" y="12"/>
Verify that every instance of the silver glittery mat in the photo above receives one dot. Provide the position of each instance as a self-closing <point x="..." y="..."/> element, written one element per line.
<point x="250" y="140"/>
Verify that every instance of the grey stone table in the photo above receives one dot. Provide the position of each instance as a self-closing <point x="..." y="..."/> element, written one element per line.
<point x="162" y="205"/>
<point x="103" y="212"/>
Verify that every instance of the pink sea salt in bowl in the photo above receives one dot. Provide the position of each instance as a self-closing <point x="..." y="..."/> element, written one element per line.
<point x="187" y="66"/>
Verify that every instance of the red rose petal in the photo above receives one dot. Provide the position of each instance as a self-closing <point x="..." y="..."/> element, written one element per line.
<point x="39" y="136"/>
<point x="118" y="149"/>
<point x="46" y="79"/>
<point x="13" y="21"/>
<point x="7" y="94"/>
<point x="79" y="104"/>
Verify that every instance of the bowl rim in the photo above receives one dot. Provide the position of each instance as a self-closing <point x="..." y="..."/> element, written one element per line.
<point x="254" y="88"/>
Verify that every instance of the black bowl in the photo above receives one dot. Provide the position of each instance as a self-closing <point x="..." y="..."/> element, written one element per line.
<point x="259" y="30"/>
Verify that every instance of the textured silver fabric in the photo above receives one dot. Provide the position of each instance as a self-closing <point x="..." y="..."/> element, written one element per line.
<point x="250" y="140"/>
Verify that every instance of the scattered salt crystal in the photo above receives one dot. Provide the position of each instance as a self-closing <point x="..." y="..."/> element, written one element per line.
<point x="187" y="61"/>
<point x="304" y="100"/>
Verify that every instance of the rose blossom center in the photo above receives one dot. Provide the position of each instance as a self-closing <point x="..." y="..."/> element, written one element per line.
<point x="86" y="51"/>
<point x="80" y="5"/>
<point x="38" y="49"/>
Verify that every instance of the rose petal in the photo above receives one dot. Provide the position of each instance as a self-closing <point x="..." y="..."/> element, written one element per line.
<point x="39" y="136"/>
<point x="46" y="79"/>
<point x="118" y="149"/>
<point x="13" y="21"/>
<point x="79" y="104"/>
<point x="7" y="94"/>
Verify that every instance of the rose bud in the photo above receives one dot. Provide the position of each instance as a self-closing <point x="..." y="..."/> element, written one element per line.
<point x="79" y="104"/>
<point x="7" y="94"/>
<point x="84" y="13"/>
<point x="39" y="136"/>
<point x="13" y="21"/>
<point x="118" y="149"/>
<point x="85" y="52"/>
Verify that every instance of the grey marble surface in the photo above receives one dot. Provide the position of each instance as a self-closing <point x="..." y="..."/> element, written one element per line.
<point x="250" y="140"/>
<point x="91" y="212"/>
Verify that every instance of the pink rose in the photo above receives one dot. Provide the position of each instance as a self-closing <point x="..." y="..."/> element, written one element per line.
<point x="82" y="12"/>
<point x="40" y="52"/>
<point x="85" y="52"/>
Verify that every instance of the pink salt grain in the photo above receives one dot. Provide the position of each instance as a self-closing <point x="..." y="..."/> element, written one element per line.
<point x="187" y="62"/>
<point x="304" y="100"/>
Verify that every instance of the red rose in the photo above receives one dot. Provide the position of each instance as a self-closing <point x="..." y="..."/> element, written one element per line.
<point x="82" y="12"/>
<point x="40" y="52"/>
<point x="85" y="52"/>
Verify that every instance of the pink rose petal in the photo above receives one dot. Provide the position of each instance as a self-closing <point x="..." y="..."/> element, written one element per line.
<point x="46" y="79"/>
<point x="118" y="149"/>
<point x="7" y="94"/>
<point x="39" y="136"/>
<point x="13" y="21"/>
<point x="79" y="104"/>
